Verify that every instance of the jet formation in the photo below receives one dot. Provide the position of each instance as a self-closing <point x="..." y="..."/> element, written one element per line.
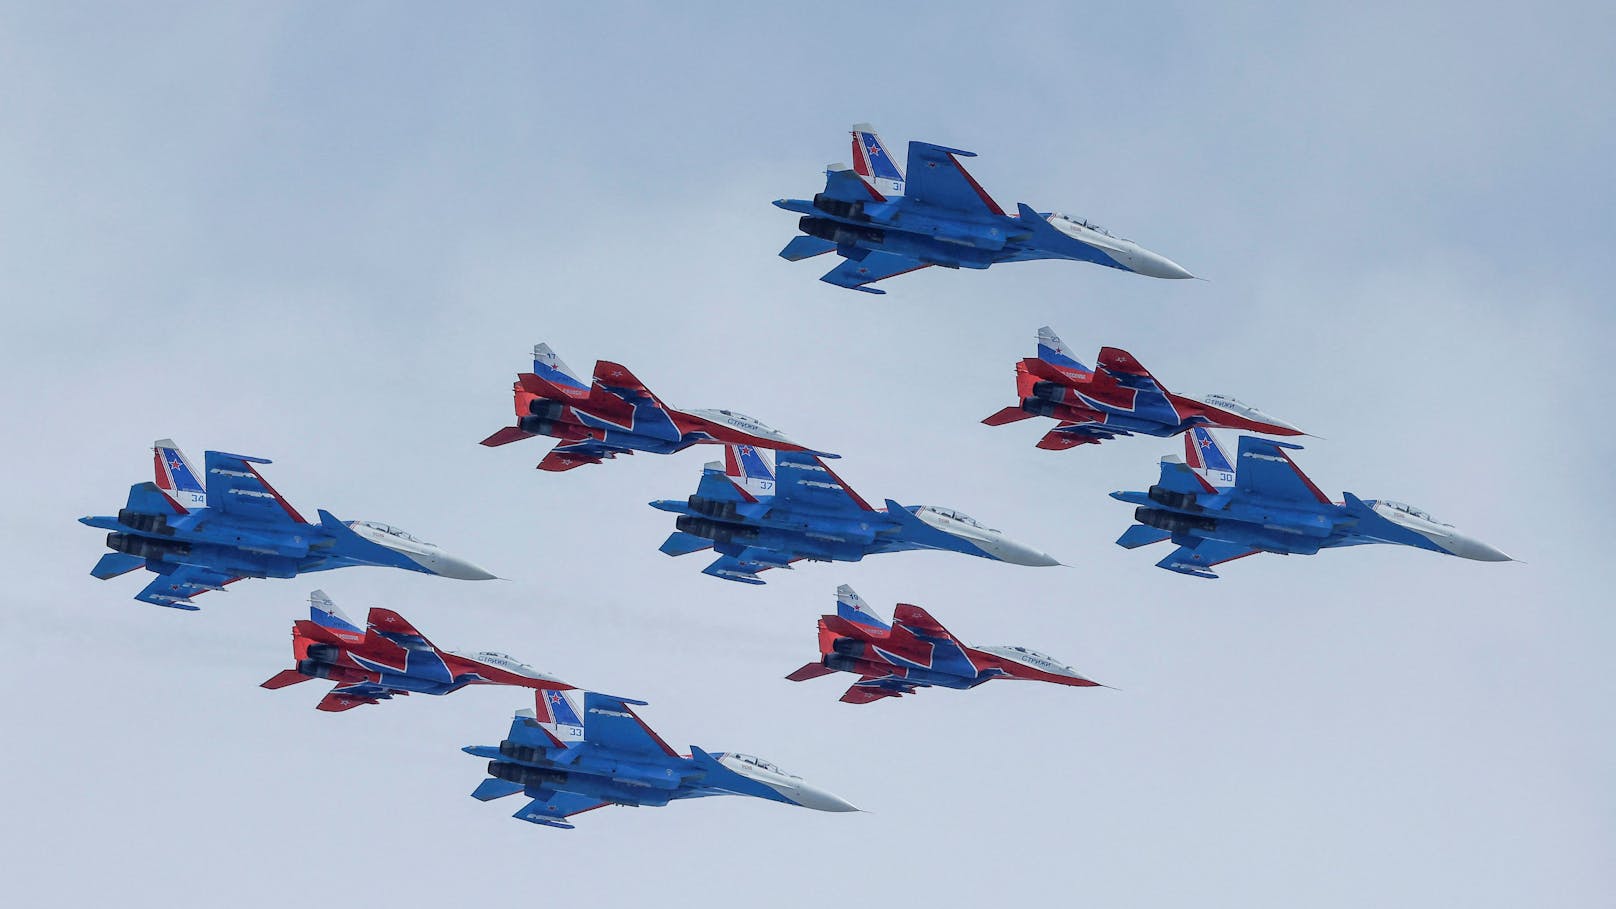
<point x="757" y="518"/>
<point x="1215" y="511"/>
<point x="883" y="224"/>
<point x="389" y="657"/>
<point x="199" y="535"/>
<point x="1118" y="398"/>
<point x="616" y="414"/>
<point x="915" y="651"/>
<point x="566" y="765"/>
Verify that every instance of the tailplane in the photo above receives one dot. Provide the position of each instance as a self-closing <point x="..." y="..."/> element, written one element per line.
<point x="176" y="477"/>
<point x="874" y="163"/>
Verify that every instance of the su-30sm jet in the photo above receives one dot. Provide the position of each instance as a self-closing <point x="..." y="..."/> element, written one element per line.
<point x="756" y="518"/>
<point x="1216" y="511"/>
<point x="566" y="764"/>
<point x="884" y="224"/>
<point x="198" y="535"/>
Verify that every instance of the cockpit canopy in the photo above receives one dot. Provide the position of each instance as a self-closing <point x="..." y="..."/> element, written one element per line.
<point x="1410" y="510"/>
<point x="953" y="515"/>
<point x="390" y="530"/>
<point x="761" y="764"/>
<point x="1031" y="657"/>
<point x="1084" y="223"/>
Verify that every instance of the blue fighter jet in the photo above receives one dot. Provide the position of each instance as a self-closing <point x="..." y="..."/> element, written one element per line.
<point x="883" y="224"/>
<point x="197" y="538"/>
<point x="756" y="520"/>
<point x="567" y="765"/>
<point x="1216" y="511"/>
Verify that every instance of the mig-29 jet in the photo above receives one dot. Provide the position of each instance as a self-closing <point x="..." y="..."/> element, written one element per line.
<point x="757" y="518"/>
<point x="1118" y="398"/>
<point x="566" y="765"/>
<point x="615" y="414"/>
<point x="915" y="651"/>
<point x="1216" y="511"/>
<point x="883" y="224"/>
<point x="387" y="657"/>
<point x="199" y="534"/>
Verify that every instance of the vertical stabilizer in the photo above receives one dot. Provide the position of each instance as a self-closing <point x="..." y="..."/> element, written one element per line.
<point x="1207" y="458"/>
<point x="176" y="477"/>
<point x="749" y="470"/>
<point x="550" y="367"/>
<point x="554" y="711"/>
<point x="1052" y="350"/>
<point x="323" y="612"/>
<point x="851" y="606"/>
<point x="874" y="163"/>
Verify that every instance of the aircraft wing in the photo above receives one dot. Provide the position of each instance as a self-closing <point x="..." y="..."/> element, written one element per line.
<point x="1198" y="560"/>
<point x="396" y="628"/>
<point x="920" y="623"/>
<point x="235" y="487"/>
<point x="1122" y="366"/>
<point x="347" y="697"/>
<point x="1262" y="468"/>
<point x="745" y="567"/>
<point x="1070" y="434"/>
<point x="803" y="479"/>
<point x="875" y="266"/>
<point x="174" y="589"/>
<point x="875" y="687"/>
<point x="937" y="178"/>
<point x="553" y="808"/>
<point x="611" y="723"/>
<point x="576" y="454"/>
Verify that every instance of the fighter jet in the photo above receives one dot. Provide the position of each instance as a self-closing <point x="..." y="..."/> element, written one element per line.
<point x="1216" y="511"/>
<point x="883" y="224"/>
<point x="567" y="765"/>
<point x="915" y="652"/>
<point x="1118" y="399"/>
<point x="197" y="538"/>
<point x="387" y="657"/>
<point x="615" y="414"/>
<point x="756" y="520"/>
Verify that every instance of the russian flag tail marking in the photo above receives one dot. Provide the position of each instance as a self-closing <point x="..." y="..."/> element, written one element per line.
<point x="1052" y="350"/>
<point x="851" y="606"/>
<point x="874" y="163"/>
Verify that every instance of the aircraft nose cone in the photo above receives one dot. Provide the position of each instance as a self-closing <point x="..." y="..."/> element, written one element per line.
<point x="1155" y="265"/>
<point x="820" y="800"/>
<point x="448" y="566"/>
<point x="1021" y="554"/>
<point x="1476" y="550"/>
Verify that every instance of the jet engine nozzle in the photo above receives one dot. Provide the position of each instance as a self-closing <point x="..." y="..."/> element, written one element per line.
<point x="849" y="647"/>
<point x="837" y="208"/>
<point x="146" y="548"/>
<point x="527" y="754"/>
<point x="546" y="408"/>
<point x="712" y="508"/>
<point x="1172" y="522"/>
<point x="323" y="653"/>
<point x="527" y="776"/>
<point x="537" y="425"/>
<point x="1049" y="391"/>
<point x="144" y="523"/>
<point x="715" y="531"/>
<point x="1180" y="501"/>
<point x="841" y="663"/>
<point x="840" y="234"/>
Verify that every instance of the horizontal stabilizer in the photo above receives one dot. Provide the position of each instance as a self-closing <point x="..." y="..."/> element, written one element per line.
<point x="811" y="671"/>
<point x="680" y="543"/>
<point x="506" y="436"/>
<point x="114" y="564"/>
<point x="491" y="789"/>
<point x="146" y="498"/>
<point x="284" y="678"/>
<point x="1139" y="535"/>
<point x="1007" y="415"/>
<point x="845" y="185"/>
<point x="806" y="248"/>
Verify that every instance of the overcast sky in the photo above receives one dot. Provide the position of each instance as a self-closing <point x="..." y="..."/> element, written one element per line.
<point x="329" y="234"/>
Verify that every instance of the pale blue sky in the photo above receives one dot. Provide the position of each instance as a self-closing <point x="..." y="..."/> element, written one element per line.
<point x="329" y="235"/>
